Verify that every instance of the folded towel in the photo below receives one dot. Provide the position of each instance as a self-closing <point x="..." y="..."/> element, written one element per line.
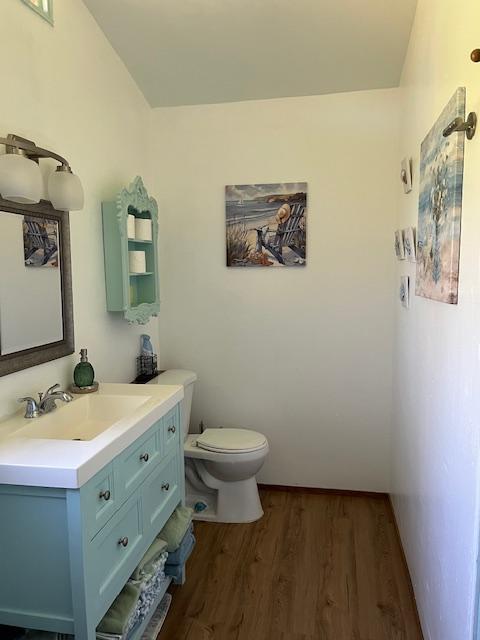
<point x="176" y="528"/>
<point x="149" y="590"/>
<point x="117" y="617"/>
<point x="181" y="554"/>
<point x="145" y="566"/>
<point x="174" y="571"/>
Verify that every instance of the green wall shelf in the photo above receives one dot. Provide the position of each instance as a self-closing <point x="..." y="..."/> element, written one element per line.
<point x="136" y="295"/>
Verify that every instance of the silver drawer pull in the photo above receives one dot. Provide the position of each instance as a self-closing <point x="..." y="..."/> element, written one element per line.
<point x="144" y="457"/>
<point x="165" y="486"/>
<point x="123" y="541"/>
<point x="105" y="495"/>
<point x="172" y="429"/>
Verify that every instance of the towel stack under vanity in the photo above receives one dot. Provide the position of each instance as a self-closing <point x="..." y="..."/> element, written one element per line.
<point x="136" y="598"/>
<point x="164" y="559"/>
<point x="178" y="534"/>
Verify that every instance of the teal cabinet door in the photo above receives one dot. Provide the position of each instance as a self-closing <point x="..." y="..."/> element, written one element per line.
<point x="161" y="493"/>
<point x="101" y="499"/>
<point x="114" y="553"/>
<point x="138" y="461"/>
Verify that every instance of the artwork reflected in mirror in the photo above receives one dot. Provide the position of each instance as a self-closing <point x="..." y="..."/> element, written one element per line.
<point x="40" y="242"/>
<point x="35" y="286"/>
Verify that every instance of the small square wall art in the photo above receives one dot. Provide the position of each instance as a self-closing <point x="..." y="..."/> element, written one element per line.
<point x="399" y="247"/>
<point x="440" y="207"/>
<point x="404" y="292"/>
<point x="406" y="175"/>
<point x="409" y="244"/>
<point x="266" y="224"/>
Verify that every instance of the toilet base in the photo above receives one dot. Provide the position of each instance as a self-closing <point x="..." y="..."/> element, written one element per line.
<point x="232" y="502"/>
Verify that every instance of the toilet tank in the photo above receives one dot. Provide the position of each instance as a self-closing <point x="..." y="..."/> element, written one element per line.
<point x="187" y="380"/>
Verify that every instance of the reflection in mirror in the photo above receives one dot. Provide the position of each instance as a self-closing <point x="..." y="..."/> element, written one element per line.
<point x="36" y="309"/>
<point x="30" y="283"/>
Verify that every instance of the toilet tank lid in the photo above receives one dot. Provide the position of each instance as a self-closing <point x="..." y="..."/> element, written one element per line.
<point x="175" y="376"/>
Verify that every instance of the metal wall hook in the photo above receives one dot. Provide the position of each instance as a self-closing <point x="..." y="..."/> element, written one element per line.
<point x="459" y="124"/>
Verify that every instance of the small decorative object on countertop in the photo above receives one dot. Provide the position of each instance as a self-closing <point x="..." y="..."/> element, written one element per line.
<point x="147" y="347"/>
<point x="84" y="376"/>
<point x="146" y="361"/>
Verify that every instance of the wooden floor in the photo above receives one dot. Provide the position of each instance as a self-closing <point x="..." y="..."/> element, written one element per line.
<point x="315" y="567"/>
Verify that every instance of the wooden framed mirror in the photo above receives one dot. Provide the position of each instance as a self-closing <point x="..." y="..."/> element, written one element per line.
<point x="36" y="302"/>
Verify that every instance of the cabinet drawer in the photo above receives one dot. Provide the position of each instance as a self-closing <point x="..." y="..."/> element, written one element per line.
<point x="114" y="552"/>
<point x="171" y="428"/>
<point x="101" y="499"/>
<point x="160" y="494"/>
<point x="136" y="462"/>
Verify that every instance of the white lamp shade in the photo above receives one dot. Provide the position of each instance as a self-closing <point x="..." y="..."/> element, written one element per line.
<point x="65" y="191"/>
<point x="20" y="179"/>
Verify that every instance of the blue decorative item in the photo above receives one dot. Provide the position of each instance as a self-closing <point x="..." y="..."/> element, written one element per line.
<point x="200" y="506"/>
<point x="147" y="347"/>
<point x="146" y="361"/>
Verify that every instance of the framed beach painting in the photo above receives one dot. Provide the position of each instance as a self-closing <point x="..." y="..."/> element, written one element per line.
<point x="266" y="225"/>
<point x="440" y="207"/>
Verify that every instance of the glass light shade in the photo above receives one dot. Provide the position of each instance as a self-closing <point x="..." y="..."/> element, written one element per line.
<point x="65" y="191"/>
<point x="20" y="179"/>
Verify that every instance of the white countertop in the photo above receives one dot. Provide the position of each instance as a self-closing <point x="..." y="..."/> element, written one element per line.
<point x="29" y="461"/>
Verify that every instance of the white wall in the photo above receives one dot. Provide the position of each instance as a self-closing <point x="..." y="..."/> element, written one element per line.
<point x="437" y="378"/>
<point x="65" y="88"/>
<point x="303" y="355"/>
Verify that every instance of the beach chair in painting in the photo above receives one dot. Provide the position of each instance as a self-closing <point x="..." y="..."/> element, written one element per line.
<point x="37" y="238"/>
<point x="289" y="234"/>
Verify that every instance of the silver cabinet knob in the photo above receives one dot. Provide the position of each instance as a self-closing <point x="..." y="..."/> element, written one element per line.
<point x="165" y="486"/>
<point x="172" y="429"/>
<point x="123" y="541"/>
<point x="105" y="495"/>
<point x="144" y="457"/>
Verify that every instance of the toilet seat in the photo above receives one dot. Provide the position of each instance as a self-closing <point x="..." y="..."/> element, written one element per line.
<point x="231" y="440"/>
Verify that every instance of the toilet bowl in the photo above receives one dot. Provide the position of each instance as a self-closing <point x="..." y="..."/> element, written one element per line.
<point x="220" y="464"/>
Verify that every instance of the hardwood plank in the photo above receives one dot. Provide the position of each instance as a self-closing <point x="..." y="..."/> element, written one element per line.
<point x="315" y="567"/>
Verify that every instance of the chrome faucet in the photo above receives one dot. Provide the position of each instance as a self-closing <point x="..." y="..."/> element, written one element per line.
<point x="46" y="401"/>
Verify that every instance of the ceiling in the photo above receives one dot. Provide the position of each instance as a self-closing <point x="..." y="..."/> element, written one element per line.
<point x="205" y="51"/>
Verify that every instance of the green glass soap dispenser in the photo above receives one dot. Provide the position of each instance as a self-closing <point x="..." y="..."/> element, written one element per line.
<point x="84" y="374"/>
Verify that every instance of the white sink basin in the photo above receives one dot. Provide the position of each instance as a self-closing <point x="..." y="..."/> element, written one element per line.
<point x="83" y="419"/>
<point x="66" y="447"/>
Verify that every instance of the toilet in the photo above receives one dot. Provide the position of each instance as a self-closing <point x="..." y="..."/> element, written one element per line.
<point x="220" y="464"/>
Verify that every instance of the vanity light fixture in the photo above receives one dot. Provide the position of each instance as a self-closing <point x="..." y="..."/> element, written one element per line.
<point x="21" y="179"/>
